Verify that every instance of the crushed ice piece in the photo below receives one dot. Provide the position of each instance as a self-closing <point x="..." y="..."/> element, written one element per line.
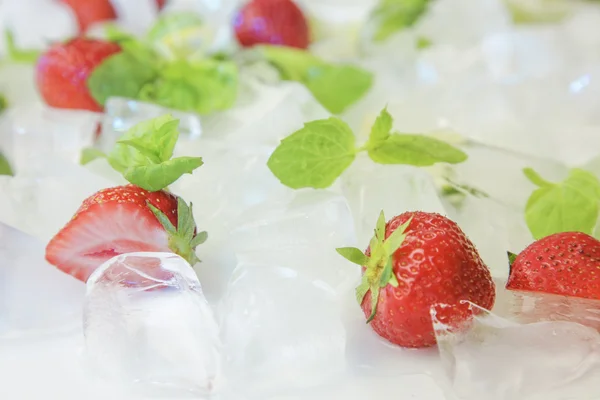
<point x="281" y="331"/>
<point x="147" y="323"/>
<point x="35" y="297"/>
<point x="122" y="114"/>
<point x="536" y="347"/>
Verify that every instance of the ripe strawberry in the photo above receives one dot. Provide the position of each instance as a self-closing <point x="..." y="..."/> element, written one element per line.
<point x="90" y="12"/>
<point x="276" y="22"/>
<point x="120" y="220"/>
<point x="565" y="263"/>
<point x="63" y="70"/>
<point x="415" y="261"/>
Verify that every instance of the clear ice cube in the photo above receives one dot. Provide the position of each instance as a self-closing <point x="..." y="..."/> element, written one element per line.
<point x="281" y="331"/>
<point x="35" y="297"/>
<point x="37" y="131"/>
<point x="371" y="187"/>
<point x="121" y="114"/>
<point x="147" y="323"/>
<point x="536" y="347"/>
<point x="301" y="234"/>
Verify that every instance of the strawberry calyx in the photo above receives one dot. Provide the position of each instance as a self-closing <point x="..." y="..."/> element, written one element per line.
<point x="183" y="239"/>
<point x="511" y="260"/>
<point x="379" y="265"/>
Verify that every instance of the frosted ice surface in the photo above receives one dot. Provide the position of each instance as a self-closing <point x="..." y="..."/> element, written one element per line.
<point x="265" y="114"/>
<point x="37" y="131"/>
<point x="121" y="114"/>
<point x="35" y="297"/>
<point x="43" y="197"/>
<point x="371" y="187"/>
<point x="36" y="23"/>
<point x="232" y="179"/>
<point x="537" y="348"/>
<point x="281" y="331"/>
<point x="301" y="234"/>
<point x="147" y="323"/>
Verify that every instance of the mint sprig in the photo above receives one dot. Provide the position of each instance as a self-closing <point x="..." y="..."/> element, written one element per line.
<point x="144" y="154"/>
<point x="379" y="265"/>
<point x="336" y="87"/>
<point x="19" y="55"/>
<point x="3" y="103"/>
<point x="5" y="168"/>
<point x="316" y="155"/>
<point x="570" y="205"/>
<point x="391" y="16"/>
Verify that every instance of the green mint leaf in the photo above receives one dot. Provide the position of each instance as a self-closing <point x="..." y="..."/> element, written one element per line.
<point x="178" y="35"/>
<point x="362" y="289"/>
<point x="314" y="156"/>
<point x="538" y="12"/>
<point x="18" y="55"/>
<point x="353" y="255"/>
<point x="122" y="75"/>
<point x="423" y="43"/>
<point x="155" y="177"/>
<point x="417" y="150"/>
<point x="336" y="87"/>
<point x="202" y="87"/>
<point x="571" y="205"/>
<point x="143" y="155"/>
<point x="382" y="127"/>
<point x="5" y="168"/>
<point x="535" y="178"/>
<point x="3" y="103"/>
<point x="90" y="154"/>
<point x="158" y="136"/>
<point x="392" y="16"/>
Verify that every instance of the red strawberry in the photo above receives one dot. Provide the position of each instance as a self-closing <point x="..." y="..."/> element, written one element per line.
<point x="122" y="220"/>
<point x="62" y="72"/>
<point x="90" y="12"/>
<point x="565" y="263"/>
<point x="276" y="22"/>
<point x="415" y="261"/>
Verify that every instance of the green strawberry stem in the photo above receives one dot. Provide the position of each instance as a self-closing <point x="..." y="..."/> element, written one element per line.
<point x="182" y="239"/>
<point x="379" y="266"/>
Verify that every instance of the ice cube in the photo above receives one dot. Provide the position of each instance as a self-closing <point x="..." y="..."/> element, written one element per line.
<point x="301" y="234"/>
<point x="44" y="196"/>
<point x="138" y="16"/>
<point x="147" y="323"/>
<point x="281" y="331"/>
<point x="121" y="114"/>
<point x="36" y="131"/>
<point x="17" y="84"/>
<point x="537" y="348"/>
<point x="35" y="297"/>
<point x="371" y="187"/>
<point x="37" y="23"/>
<point x="265" y="114"/>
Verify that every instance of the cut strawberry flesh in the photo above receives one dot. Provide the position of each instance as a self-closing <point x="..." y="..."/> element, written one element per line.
<point x="101" y="232"/>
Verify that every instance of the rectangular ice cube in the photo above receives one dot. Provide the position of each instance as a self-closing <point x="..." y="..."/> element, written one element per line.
<point x="147" y="324"/>
<point x="537" y="347"/>
<point x="281" y="331"/>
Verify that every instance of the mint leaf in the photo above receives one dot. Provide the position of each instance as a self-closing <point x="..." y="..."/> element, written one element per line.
<point x="5" y="168"/>
<point x="336" y="87"/>
<point x="18" y="55"/>
<point x="3" y="103"/>
<point x="314" y="156"/>
<point x="382" y="127"/>
<point x="201" y="87"/>
<point x="178" y="35"/>
<point x="571" y="205"/>
<point x="90" y="154"/>
<point x="418" y="150"/>
<point x="123" y="74"/>
<point x="538" y="12"/>
<point x="143" y="155"/>
<point x="392" y="16"/>
<point x="423" y="43"/>
<point x="155" y="177"/>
